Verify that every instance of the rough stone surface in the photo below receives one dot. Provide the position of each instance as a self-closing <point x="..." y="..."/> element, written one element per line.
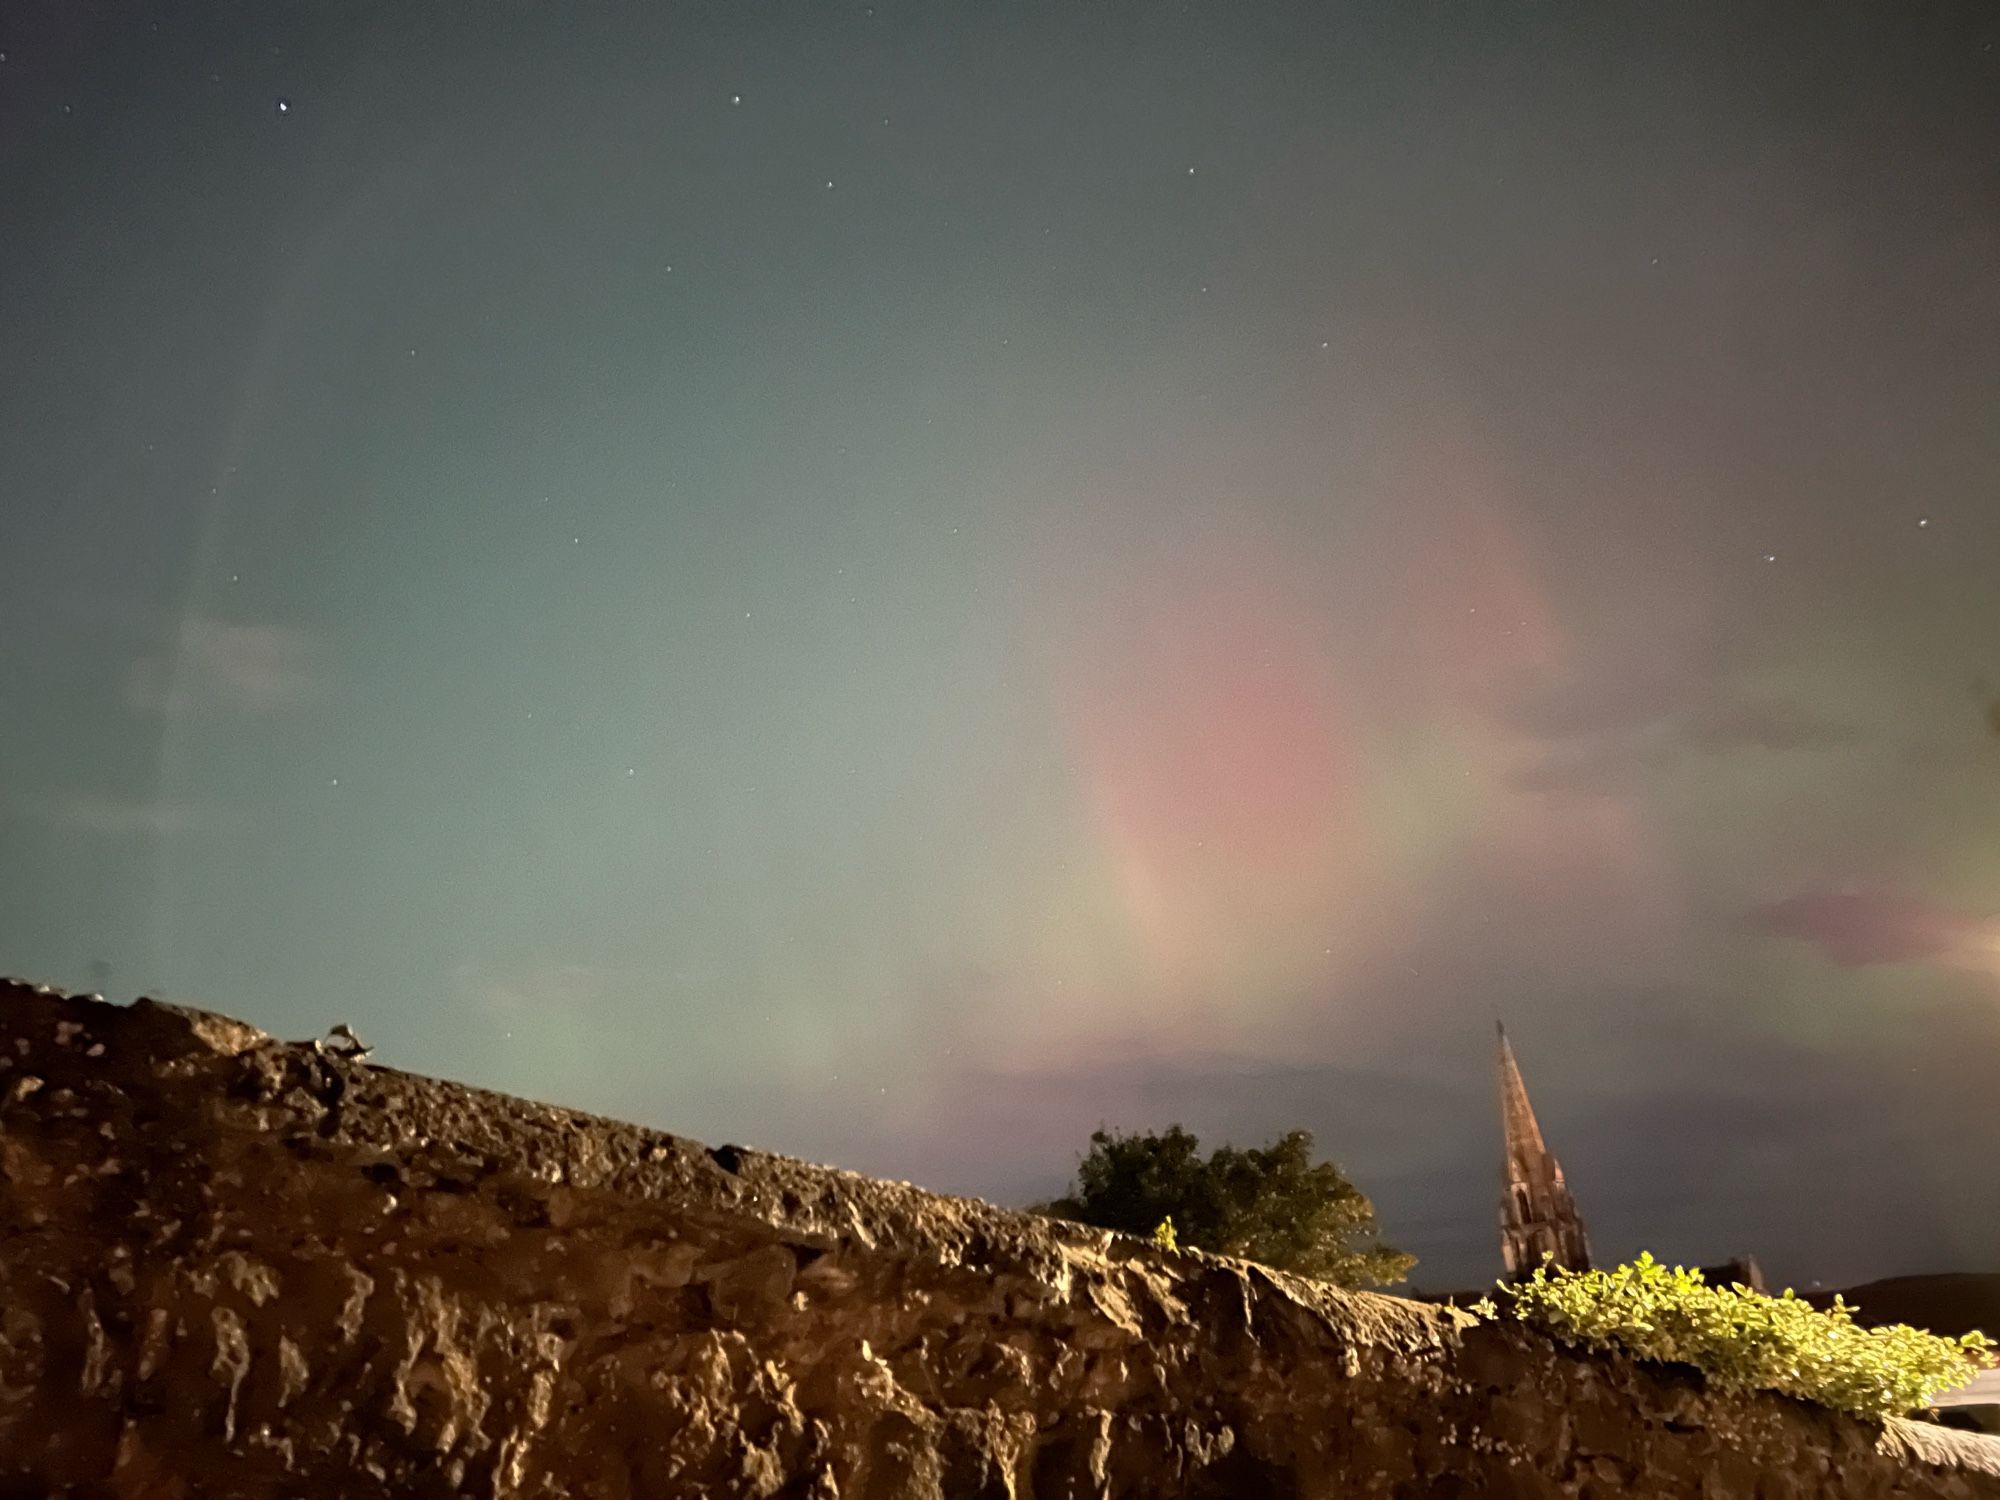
<point x="233" y="1266"/>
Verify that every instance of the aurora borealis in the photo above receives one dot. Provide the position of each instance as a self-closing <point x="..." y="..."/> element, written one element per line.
<point x="895" y="582"/>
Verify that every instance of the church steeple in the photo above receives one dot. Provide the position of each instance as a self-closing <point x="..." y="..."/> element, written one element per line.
<point x="1537" y="1215"/>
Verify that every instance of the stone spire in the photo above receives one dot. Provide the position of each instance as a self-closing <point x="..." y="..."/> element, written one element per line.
<point x="1537" y="1215"/>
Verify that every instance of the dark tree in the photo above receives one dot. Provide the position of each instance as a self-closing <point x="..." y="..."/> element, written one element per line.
<point x="1273" y="1205"/>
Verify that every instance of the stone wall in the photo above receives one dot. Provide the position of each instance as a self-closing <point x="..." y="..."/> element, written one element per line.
<point x="231" y="1266"/>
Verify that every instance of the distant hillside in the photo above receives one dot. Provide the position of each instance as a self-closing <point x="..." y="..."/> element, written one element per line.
<point x="1950" y="1304"/>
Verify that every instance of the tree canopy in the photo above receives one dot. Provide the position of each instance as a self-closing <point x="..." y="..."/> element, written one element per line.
<point x="1272" y="1204"/>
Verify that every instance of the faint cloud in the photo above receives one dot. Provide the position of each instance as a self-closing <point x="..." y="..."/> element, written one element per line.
<point x="1858" y="928"/>
<point x="253" y="668"/>
<point x="1600" y="767"/>
<point x="1608" y="761"/>
<point x="1763" y="724"/>
<point x="124" y="817"/>
<point x="506" y="992"/>
<point x="1634" y="698"/>
<point x="1939" y="755"/>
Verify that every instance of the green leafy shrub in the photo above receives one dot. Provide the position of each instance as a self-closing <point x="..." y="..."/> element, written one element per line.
<point x="1743" y="1340"/>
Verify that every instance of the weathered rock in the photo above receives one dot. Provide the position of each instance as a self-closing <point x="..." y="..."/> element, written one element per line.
<point x="233" y="1266"/>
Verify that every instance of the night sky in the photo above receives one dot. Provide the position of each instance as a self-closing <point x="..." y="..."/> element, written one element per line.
<point x="896" y="582"/>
